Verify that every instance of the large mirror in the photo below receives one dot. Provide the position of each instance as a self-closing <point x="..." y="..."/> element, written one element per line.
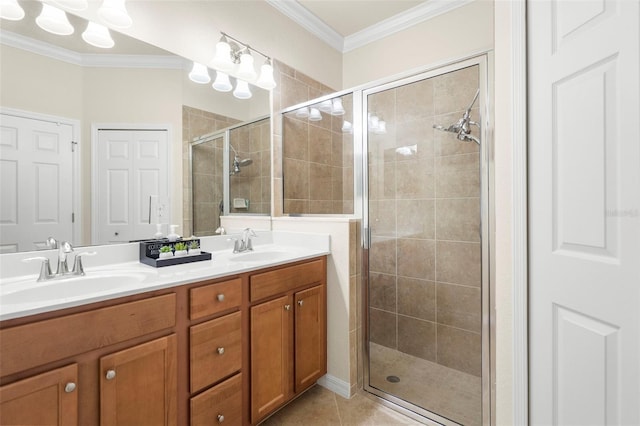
<point x="76" y="93"/>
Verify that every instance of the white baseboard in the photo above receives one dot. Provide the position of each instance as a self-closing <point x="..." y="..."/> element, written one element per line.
<point x="336" y="385"/>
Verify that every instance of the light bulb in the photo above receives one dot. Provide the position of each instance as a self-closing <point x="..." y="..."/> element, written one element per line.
<point x="114" y="13"/>
<point x="242" y="90"/>
<point x="222" y="83"/>
<point x="246" y="70"/>
<point x="98" y="35"/>
<point x="11" y="10"/>
<point x="222" y="59"/>
<point x="54" y="20"/>
<point x="266" y="80"/>
<point x="199" y="74"/>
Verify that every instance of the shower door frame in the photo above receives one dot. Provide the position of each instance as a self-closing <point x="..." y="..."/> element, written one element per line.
<point x="487" y="239"/>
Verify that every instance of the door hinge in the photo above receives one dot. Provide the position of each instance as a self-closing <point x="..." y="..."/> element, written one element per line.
<point x="73" y="146"/>
<point x="73" y="218"/>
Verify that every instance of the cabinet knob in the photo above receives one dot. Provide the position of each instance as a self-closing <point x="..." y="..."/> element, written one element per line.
<point x="220" y="351"/>
<point x="300" y="302"/>
<point x="220" y="297"/>
<point x="70" y="387"/>
<point x="220" y="418"/>
<point x="111" y="374"/>
<point x="287" y="307"/>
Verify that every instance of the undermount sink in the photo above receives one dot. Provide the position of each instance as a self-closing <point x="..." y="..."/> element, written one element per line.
<point x="259" y="256"/>
<point x="95" y="282"/>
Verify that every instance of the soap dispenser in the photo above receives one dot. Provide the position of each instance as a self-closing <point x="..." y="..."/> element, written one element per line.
<point x="173" y="236"/>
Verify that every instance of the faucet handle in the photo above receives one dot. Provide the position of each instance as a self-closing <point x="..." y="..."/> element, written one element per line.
<point x="77" y="264"/>
<point x="45" y="268"/>
<point x="52" y="243"/>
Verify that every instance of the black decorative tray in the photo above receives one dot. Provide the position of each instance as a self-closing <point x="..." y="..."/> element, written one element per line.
<point x="150" y="253"/>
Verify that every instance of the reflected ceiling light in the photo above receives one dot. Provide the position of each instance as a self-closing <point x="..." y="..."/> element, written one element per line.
<point x="72" y="4"/>
<point x="114" y="13"/>
<point x="11" y="10"/>
<point x="376" y="124"/>
<point x="199" y="74"/>
<point x="315" y="115"/>
<point x="336" y="107"/>
<point x="325" y="106"/>
<point x="54" y="20"/>
<point x="246" y="70"/>
<point x="222" y="83"/>
<point x="347" y="127"/>
<point x="222" y="59"/>
<point x="266" y="80"/>
<point x="242" y="90"/>
<point x="303" y="112"/>
<point x="98" y="35"/>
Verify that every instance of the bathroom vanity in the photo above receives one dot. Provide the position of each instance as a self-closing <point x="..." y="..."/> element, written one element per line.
<point x="230" y="349"/>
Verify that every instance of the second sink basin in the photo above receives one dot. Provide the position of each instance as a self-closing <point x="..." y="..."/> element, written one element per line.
<point x="66" y="288"/>
<point x="259" y="256"/>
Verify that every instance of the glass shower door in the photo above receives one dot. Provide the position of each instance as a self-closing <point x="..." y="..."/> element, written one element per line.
<point x="425" y="277"/>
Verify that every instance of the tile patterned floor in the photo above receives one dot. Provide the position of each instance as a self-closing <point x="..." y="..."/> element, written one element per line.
<point x="321" y="407"/>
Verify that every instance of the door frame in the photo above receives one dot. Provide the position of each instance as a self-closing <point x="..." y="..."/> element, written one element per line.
<point x="95" y="128"/>
<point x="76" y="160"/>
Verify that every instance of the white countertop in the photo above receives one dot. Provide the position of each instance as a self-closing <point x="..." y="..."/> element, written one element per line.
<point x="115" y="271"/>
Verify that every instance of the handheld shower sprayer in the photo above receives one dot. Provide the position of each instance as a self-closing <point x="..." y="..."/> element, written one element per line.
<point x="463" y="127"/>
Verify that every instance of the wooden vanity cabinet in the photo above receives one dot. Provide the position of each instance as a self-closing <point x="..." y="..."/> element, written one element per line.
<point x="49" y="398"/>
<point x="288" y="334"/>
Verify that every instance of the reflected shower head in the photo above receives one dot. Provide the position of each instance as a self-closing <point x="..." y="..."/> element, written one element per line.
<point x="462" y="128"/>
<point x="237" y="162"/>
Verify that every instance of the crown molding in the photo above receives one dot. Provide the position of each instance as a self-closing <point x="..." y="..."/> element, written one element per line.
<point x="401" y="21"/>
<point x="307" y="20"/>
<point x="90" y="59"/>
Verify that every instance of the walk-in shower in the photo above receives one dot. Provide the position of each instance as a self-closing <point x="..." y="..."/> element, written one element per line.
<point x="426" y="246"/>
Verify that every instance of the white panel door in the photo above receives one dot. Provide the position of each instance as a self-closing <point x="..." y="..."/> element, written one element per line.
<point x="584" y="212"/>
<point x="36" y="187"/>
<point x="132" y="166"/>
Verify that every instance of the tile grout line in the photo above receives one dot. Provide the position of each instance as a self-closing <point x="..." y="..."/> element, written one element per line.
<point x="335" y="402"/>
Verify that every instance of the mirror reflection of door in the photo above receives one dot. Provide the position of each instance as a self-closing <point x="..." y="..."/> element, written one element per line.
<point x="130" y="183"/>
<point x="36" y="173"/>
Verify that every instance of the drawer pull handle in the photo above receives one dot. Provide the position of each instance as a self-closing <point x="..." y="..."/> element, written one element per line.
<point x="287" y="307"/>
<point x="300" y="302"/>
<point x="220" y="351"/>
<point x="111" y="374"/>
<point x="220" y="418"/>
<point x="70" y="387"/>
<point x="220" y="298"/>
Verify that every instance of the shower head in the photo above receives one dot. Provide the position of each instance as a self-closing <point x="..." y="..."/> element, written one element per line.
<point x="246" y="162"/>
<point x="462" y="127"/>
<point x="237" y="162"/>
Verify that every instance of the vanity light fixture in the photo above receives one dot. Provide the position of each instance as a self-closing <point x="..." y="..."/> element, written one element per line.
<point x="54" y="20"/>
<point x="303" y="112"/>
<point x="114" y="13"/>
<point x="376" y="124"/>
<point x="347" y="127"/>
<point x="222" y="82"/>
<point x="234" y="57"/>
<point x="72" y="4"/>
<point x="11" y="10"/>
<point x="242" y="90"/>
<point x="336" y="107"/>
<point x="199" y="74"/>
<point x="98" y="35"/>
<point x="315" y="115"/>
<point x="325" y="106"/>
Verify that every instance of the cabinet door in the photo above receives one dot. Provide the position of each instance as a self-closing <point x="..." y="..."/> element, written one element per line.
<point x="310" y="337"/>
<point x="138" y="385"/>
<point x="270" y="356"/>
<point x="50" y="398"/>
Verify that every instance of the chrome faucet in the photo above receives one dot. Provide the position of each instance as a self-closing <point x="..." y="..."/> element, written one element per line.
<point x="64" y="248"/>
<point x="245" y="243"/>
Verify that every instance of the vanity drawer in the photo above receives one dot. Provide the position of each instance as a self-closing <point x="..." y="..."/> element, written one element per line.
<point x="223" y="400"/>
<point x="211" y="299"/>
<point x="216" y="350"/>
<point x="42" y="342"/>
<point x="282" y="280"/>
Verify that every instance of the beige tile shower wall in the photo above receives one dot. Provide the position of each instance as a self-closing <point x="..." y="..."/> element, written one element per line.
<point x="425" y="218"/>
<point x="252" y="141"/>
<point x="197" y="123"/>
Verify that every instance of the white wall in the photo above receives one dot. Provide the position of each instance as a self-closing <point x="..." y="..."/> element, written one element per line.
<point x="450" y="36"/>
